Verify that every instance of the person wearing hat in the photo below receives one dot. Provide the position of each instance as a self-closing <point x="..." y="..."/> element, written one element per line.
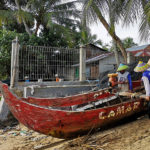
<point x="124" y="78"/>
<point x="148" y="64"/>
<point x="27" y="79"/>
<point x="143" y="67"/>
<point x="57" y="78"/>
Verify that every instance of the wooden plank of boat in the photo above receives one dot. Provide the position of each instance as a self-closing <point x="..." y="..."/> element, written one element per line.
<point x="71" y="100"/>
<point x="66" y="124"/>
<point x="125" y="94"/>
<point x="94" y="104"/>
<point x="86" y="106"/>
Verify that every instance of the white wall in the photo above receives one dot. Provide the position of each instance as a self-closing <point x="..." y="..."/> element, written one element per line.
<point x="107" y="63"/>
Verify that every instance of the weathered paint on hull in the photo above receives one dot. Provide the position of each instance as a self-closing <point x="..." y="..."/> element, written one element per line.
<point x="66" y="124"/>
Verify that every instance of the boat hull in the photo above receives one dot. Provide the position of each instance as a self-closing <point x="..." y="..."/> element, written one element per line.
<point x="67" y="124"/>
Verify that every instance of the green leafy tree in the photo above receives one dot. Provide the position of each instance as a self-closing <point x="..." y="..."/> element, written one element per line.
<point x="87" y="37"/>
<point x="6" y="38"/>
<point x="128" y="42"/>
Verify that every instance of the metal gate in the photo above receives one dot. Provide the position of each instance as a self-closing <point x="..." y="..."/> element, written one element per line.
<point x="40" y="62"/>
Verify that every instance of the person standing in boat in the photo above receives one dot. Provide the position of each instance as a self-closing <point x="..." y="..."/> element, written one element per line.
<point x="124" y="78"/>
<point x="145" y="68"/>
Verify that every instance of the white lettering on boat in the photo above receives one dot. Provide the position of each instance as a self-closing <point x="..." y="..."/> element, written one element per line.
<point x="120" y="110"/>
<point x="98" y="94"/>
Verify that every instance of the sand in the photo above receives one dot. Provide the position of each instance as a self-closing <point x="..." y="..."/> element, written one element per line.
<point x="133" y="135"/>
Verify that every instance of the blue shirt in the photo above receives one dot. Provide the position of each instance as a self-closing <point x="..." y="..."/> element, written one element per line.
<point x="146" y="81"/>
<point x="130" y="82"/>
<point x="146" y="74"/>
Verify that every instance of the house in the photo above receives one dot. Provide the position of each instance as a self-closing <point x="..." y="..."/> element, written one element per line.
<point x="97" y="65"/>
<point x="93" y="50"/>
<point x="137" y="53"/>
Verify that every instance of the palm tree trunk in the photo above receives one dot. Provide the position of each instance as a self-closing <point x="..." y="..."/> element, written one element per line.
<point x="26" y="27"/>
<point x="112" y="34"/>
<point x="116" y="53"/>
<point x="37" y="28"/>
<point x="24" y="22"/>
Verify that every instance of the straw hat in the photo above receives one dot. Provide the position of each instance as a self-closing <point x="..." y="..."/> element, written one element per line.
<point x="148" y="62"/>
<point x="122" y="67"/>
<point x="141" y="66"/>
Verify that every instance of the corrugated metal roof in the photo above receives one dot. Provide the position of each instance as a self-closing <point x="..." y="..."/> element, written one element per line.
<point x="138" y="54"/>
<point x="136" y="48"/>
<point x="148" y="53"/>
<point x="99" y="57"/>
<point x="100" y="48"/>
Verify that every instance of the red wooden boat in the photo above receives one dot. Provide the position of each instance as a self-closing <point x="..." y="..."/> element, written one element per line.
<point x="67" y="123"/>
<point x="76" y="99"/>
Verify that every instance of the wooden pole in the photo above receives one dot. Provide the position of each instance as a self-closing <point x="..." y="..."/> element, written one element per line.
<point x="82" y="69"/>
<point x="116" y="53"/>
<point x="14" y="62"/>
<point x="129" y="59"/>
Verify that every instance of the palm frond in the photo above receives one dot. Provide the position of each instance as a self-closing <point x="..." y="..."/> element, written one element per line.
<point x="131" y="11"/>
<point x="65" y="6"/>
<point x="23" y="14"/>
<point x="89" y="14"/>
<point x="144" y="29"/>
<point x="6" y="16"/>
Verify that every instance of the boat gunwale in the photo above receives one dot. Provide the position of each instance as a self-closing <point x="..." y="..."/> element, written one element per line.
<point x="88" y="92"/>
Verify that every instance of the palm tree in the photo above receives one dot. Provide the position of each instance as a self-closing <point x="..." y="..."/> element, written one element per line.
<point x="21" y="17"/>
<point x="87" y="37"/>
<point x="10" y="13"/>
<point x="95" y="10"/>
<point x="114" y="10"/>
<point x="128" y="42"/>
<point x="41" y="13"/>
<point x="138" y="10"/>
<point x="2" y="4"/>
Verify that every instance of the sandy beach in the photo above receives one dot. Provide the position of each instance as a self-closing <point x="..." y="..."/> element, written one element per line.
<point x="132" y="135"/>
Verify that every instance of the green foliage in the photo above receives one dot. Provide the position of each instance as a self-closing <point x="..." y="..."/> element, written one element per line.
<point x="25" y="39"/>
<point x="127" y="43"/>
<point x="6" y="38"/>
